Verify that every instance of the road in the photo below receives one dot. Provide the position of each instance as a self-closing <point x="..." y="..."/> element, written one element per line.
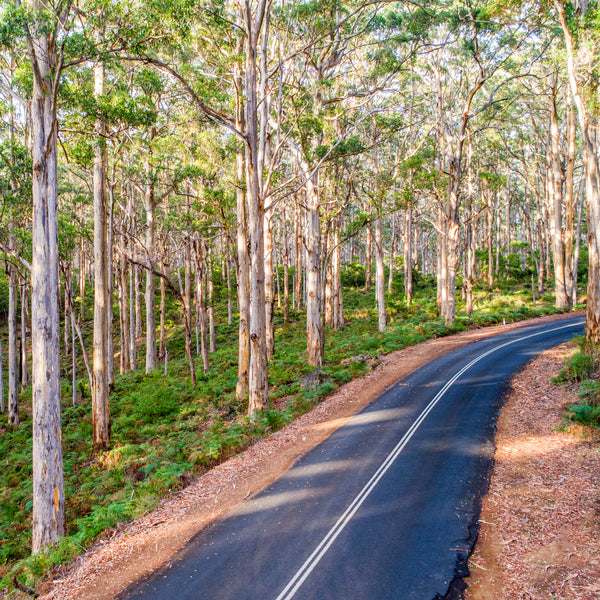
<point x="386" y="508"/>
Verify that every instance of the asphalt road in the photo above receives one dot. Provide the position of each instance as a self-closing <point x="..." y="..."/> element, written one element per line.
<point x="385" y="508"/>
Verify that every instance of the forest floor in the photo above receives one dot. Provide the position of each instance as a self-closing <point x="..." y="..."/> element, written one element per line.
<point x="135" y="549"/>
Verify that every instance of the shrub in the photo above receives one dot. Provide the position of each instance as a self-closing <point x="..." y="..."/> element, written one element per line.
<point x="584" y="414"/>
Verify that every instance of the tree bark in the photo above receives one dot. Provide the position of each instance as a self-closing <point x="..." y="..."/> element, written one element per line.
<point x="380" y="275"/>
<point x="48" y="479"/>
<point x="257" y="374"/>
<point x="100" y="393"/>
<point x="243" y="261"/>
<point x="150" y="207"/>
<point x="13" y="373"/>
<point x="554" y="180"/>
<point x="589" y="135"/>
<point x="408" y="254"/>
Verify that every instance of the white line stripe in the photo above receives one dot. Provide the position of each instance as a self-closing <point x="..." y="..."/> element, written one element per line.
<point x="311" y="562"/>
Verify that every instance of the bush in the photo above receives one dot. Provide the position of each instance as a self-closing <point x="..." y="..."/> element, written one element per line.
<point x="584" y="414"/>
<point x="578" y="366"/>
<point x="353" y="275"/>
<point x="156" y="404"/>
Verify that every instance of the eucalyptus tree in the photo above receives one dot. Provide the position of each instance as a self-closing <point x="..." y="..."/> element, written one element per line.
<point x="15" y="191"/>
<point x="580" y="34"/>
<point x="42" y="31"/>
<point x="470" y="66"/>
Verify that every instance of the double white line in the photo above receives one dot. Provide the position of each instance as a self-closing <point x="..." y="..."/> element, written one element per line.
<point x="313" y="560"/>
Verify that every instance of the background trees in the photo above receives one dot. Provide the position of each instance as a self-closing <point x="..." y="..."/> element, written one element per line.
<point x="270" y="158"/>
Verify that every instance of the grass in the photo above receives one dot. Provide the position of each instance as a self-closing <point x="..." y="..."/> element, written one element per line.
<point x="166" y="432"/>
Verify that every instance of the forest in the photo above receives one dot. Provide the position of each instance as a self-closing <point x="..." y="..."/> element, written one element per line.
<point x="216" y="212"/>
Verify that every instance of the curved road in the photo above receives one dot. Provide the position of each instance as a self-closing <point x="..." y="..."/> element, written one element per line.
<point x="384" y="509"/>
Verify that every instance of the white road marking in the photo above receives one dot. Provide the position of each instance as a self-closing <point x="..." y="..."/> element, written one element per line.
<point x="313" y="560"/>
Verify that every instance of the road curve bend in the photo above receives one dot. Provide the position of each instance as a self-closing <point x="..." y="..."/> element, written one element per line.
<point x="386" y="508"/>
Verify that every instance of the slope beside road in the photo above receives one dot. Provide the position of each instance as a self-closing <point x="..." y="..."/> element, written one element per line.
<point x="145" y="545"/>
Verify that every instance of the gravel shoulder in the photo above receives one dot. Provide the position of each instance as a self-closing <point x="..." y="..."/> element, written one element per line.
<point x="540" y="521"/>
<point x="136" y="549"/>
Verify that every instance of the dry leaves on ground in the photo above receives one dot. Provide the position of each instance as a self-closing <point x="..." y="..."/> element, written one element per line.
<point x="540" y="523"/>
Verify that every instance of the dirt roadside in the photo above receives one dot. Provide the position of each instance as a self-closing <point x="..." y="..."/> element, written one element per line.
<point x="138" y="548"/>
<point x="540" y="521"/>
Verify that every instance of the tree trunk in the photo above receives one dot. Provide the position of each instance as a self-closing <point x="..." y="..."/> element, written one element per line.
<point x="133" y="321"/>
<point x="313" y="248"/>
<point x="210" y="309"/>
<point x="336" y="277"/>
<point x="298" y="254"/>
<point x="393" y="227"/>
<point x="555" y="185"/>
<point x="570" y="200"/>
<point x="100" y="405"/>
<point x="187" y="304"/>
<point x="124" y="315"/>
<point x="48" y="480"/>
<point x="379" y="276"/>
<point x="13" y="373"/>
<point x="286" y="269"/>
<point x="228" y="266"/>
<point x="201" y="275"/>
<point x="24" y="302"/>
<point x="269" y="295"/>
<point x="257" y="375"/>
<point x="368" y="258"/>
<point x="243" y="261"/>
<point x="408" y="254"/>
<point x="589" y="135"/>
<point x="150" y="207"/>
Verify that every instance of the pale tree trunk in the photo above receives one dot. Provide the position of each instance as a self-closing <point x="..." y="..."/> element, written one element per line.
<point x="24" y="302"/>
<point x="269" y="296"/>
<point x="569" y="235"/>
<point x="470" y="235"/>
<point x="313" y="300"/>
<point x="150" y="207"/>
<point x="48" y="479"/>
<point x="542" y="262"/>
<point x="257" y="375"/>
<point x="13" y="372"/>
<point x="132" y="318"/>
<point x="110" y="369"/>
<point x="243" y="260"/>
<point x="394" y="228"/>
<point x="490" y="244"/>
<point x="286" y="269"/>
<point x="228" y="266"/>
<point x="139" y="326"/>
<point x="379" y="275"/>
<point x="337" y="319"/>
<point x="82" y="271"/>
<point x="298" y="254"/>
<point x="577" y="245"/>
<point x="187" y="305"/>
<point x="408" y="254"/>
<point x="162" y="348"/>
<point x="328" y="300"/>
<point x="201" y="275"/>
<point x="124" y="314"/>
<point x="210" y="309"/>
<point x="368" y="258"/>
<point x="100" y="393"/>
<point x="554" y="180"/>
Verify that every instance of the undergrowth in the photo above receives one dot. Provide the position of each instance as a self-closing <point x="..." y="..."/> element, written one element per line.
<point x="581" y="367"/>
<point x="165" y="432"/>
